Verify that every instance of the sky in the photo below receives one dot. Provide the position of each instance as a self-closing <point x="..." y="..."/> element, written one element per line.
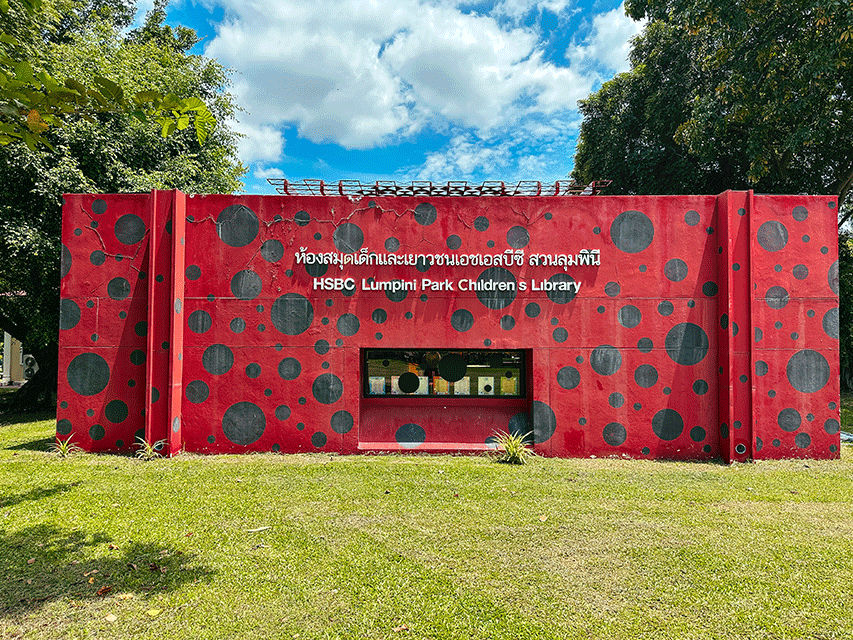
<point x="409" y="89"/>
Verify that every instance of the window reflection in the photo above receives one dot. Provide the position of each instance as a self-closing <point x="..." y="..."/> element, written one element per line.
<point x="423" y="372"/>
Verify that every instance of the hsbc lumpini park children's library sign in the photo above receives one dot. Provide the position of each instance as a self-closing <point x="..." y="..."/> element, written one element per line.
<point x="679" y="327"/>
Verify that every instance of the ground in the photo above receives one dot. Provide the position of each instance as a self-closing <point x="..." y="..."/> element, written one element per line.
<point x="324" y="546"/>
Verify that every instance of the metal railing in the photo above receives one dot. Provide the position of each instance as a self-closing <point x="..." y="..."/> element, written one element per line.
<point x="427" y="188"/>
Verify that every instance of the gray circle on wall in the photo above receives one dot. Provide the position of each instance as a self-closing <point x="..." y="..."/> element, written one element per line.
<point x="272" y="250"/>
<point x="629" y="316"/>
<point x="410" y="435"/>
<point x="807" y="371"/>
<point x="341" y="422"/>
<point x="217" y="359"/>
<point x="776" y="297"/>
<point x="237" y="225"/>
<point x="129" y="229"/>
<point x="614" y="434"/>
<point x="243" y="423"/>
<point x="517" y="237"/>
<point x="687" y="343"/>
<point x="789" y="420"/>
<point x="544" y="422"/>
<point x="118" y="289"/>
<point x="425" y="214"/>
<point x="667" y="424"/>
<point x="605" y="360"/>
<point x="197" y="391"/>
<point x="772" y="236"/>
<point x="199" y="321"/>
<point x="497" y="299"/>
<point x="327" y="388"/>
<point x="568" y="377"/>
<point x="348" y="324"/>
<point x="348" y="237"/>
<point x="462" y="320"/>
<point x="291" y="314"/>
<point x="246" y="285"/>
<point x="69" y="314"/>
<point x="88" y="374"/>
<point x="632" y="231"/>
<point x="646" y="376"/>
<point x="675" y="270"/>
<point x="830" y="323"/>
<point x="561" y="296"/>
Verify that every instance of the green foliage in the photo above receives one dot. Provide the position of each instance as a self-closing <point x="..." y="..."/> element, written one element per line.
<point x="149" y="451"/>
<point x="33" y="99"/>
<point x="108" y="152"/>
<point x="845" y="315"/>
<point x="64" y="448"/>
<point x="720" y="95"/>
<point x="514" y="447"/>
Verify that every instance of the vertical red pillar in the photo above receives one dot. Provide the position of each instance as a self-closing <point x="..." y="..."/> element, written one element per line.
<point x="734" y="326"/>
<point x="163" y="367"/>
<point x="176" y="328"/>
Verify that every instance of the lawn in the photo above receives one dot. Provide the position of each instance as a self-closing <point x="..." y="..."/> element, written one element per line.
<point x="320" y="546"/>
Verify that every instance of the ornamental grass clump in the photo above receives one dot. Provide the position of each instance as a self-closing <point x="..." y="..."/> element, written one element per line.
<point x="514" y="448"/>
<point x="148" y="451"/>
<point x="64" y="448"/>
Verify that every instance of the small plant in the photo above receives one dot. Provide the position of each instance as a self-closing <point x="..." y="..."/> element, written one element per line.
<point x="514" y="447"/>
<point x="148" y="451"/>
<point x="64" y="448"/>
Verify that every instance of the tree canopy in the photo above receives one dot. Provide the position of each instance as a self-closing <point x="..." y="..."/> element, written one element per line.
<point x="753" y="94"/>
<point x="110" y="151"/>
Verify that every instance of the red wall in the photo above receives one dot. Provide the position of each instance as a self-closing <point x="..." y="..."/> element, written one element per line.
<point x="710" y="328"/>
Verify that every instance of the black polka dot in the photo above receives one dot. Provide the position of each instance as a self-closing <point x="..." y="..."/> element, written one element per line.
<point x="807" y="371"/>
<point x="800" y="271"/>
<point x="800" y="213"/>
<point x="605" y="360"/>
<point x="69" y="314"/>
<point x="197" y="391"/>
<point x="116" y="411"/>
<point x="832" y="277"/>
<point x="612" y="289"/>
<point x="63" y="427"/>
<point x="410" y="435"/>
<point x="425" y="214"/>
<point x="776" y="297"/>
<point x="379" y="316"/>
<point x="272" y="250"/>
<point x="88" y="374"/>
<point x="697" y="434"/>
<point x="667" y="424"/>
<point x="319" y="439"/>
<point x="761" y="368"/>
<point x="532" y="310"/>
<point x="348" y="237"/>
<point x="118" y="288"/>
<point x="246" y="285"/>
<point x="614" y="434"/>
<point x="289" y="368"/>
<point x="632" y="231"/>
<point x="544" y="422"/>
<point x="452" y="367"/>
<point x="675" y="270"/>
<point x="243" y="423"/>
<point x="497" y="299"/>
<point x="691" y="218"/>
<point x="666" y="308"/>
<point x="129" y="229"/>
<point x="481" y="223"/>
<point x="645" y="345"/>
<point x="237" y="325"/>
<point x="327" y="388"/>
<point x="392" y="245"/>
<point x="99" y="206"/>
<point x="646" y="376"/>
<point x="237" y="225"/>
<point x="454" y="242"/>
<point x="517" y="237"/>
<point x="831" y="426"/>
<point x="348" y="324"/>
<point x="802" y="440"/>
<point x="629" y="316"/>
<point x="560" y="334"/>
<point x="292" y="314"/>
<point x="302" y="218"/>
<point x="408" y="382"/>
<point x="789" y="419"/>
<point x="568" y="377"/>
<point x="97" y="432"/>
<point x="830" y="323"/>
<point x="616" y="400"/>
<point x="193" y="272"/>
<point x="687" y="343"/>
<point x="772" y="236"/>
<point x="217" y="359"/>
<point x="396" y="296"/>
<point x="282" y="412"/>
<point x="253" y="370"/>
<point x="462" y="320"/>
<point x="341" y="422"/>
<point x="561" y="296"/>
<point x="199" y="321"/>
<point x="507" y="323"/>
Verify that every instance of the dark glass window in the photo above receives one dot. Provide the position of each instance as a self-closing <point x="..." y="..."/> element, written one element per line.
<point x="468" y="373"/>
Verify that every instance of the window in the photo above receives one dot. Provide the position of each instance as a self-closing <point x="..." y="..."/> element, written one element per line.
<point x="435" y="373"/>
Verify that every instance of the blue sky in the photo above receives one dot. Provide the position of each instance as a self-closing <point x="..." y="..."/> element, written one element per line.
<point x="409" y="89"/>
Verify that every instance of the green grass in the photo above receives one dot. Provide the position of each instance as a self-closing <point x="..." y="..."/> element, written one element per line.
<point x="434" y="547"/>
<point x="847" y="411"/>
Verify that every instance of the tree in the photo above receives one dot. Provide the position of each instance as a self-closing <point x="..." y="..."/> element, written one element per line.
<point x="750" y="94"/>
<point x="109" y="152"/>
<point x="33" y="100"/>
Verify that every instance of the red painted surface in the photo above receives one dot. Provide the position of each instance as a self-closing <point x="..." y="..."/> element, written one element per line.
<point x="708" y="330"/>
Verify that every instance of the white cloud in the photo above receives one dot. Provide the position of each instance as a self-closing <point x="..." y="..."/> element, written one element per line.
<point x="366" y="73"/>
<point x="262" y="172"/>
<point x="608" y="43"/>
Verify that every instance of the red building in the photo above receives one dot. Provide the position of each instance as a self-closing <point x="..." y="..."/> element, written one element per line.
<point x="425" y="318"/>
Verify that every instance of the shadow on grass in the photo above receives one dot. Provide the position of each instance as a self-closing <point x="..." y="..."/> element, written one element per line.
<point x="44" y="563"/>
<point x="36" y="494"/>
<point x="9" y="418"/>
<point x="42" y="444"/>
